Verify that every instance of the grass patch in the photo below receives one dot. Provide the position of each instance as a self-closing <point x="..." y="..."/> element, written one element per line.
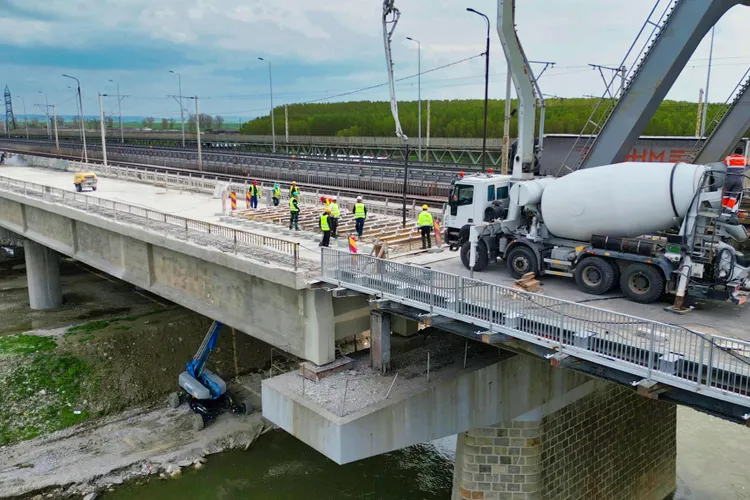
<point x="40" y="396"/>
<point x="26" y="344"/>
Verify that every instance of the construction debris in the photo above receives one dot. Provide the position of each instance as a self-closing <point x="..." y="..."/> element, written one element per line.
<point x="528" y="283"/>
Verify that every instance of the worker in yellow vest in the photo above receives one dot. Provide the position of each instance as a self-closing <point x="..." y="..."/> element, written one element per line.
<point x="276" y="195"/>
<point x="425" y="223"/>
<point x="360" y="215"/>
<point x="255" y="193"/>
<point x="334" y="218"/>
<point x="294" y="213"/>
<point x="293" y="189"/>
<point x="325" y="227"/>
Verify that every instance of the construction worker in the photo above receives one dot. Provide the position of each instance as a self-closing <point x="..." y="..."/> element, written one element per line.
<point x="294" y="213"/>
<point x="276" y="195"/>
<point x="360" y="215"/>
<point x="255" y="192"/>
<point x="334" y="218"/>
<point x="325" y="227"/>
<point x="735" y="181"/>
<point x="293" y="189"/>
<point x="425" y="223"/>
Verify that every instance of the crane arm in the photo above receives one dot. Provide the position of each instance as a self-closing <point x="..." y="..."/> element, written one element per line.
<point x="196" y="365"/>
<point x="390" y="18"/>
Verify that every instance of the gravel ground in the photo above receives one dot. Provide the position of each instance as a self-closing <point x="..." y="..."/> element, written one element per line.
<point x="97" y="455"/>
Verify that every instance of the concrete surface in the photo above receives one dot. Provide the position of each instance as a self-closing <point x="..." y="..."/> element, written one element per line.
<point x="271" y="303"/>
<point x="454" y="400"/>
<point x="717" y="318"/>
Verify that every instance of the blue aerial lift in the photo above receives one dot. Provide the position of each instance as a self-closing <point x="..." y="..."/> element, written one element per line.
<point x="203" y="390"/>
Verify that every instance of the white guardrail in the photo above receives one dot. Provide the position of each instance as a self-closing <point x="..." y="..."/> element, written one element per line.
<point x="204" y="233"/>
<point x="714" y="366"/>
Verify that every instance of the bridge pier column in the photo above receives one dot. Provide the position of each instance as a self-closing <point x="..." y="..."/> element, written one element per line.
<point x="610" y="444"/>
<point x="43" y="275"/>
<point x="380" y="340"/>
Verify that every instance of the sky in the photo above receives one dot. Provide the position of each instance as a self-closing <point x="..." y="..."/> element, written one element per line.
<point x="319" y="50"/>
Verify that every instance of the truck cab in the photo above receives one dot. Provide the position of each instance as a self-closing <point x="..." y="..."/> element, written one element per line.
<point x="474" y="199"/>
<point x="83" y="180"/>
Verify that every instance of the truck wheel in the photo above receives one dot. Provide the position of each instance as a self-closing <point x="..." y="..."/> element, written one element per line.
<point x="595" y="275"/>
<point x="174" y="400"/>
<point x="521" y="260"/>
<point x="483" y="257"/>
<point x="642" y="283"/>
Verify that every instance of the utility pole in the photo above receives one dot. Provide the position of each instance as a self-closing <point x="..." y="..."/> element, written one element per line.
<point x="270" y="85"/>
<point x="286" y="126"/>
<point x="428" y="125"/>
<point x="419" y="94"/>
<point x="617" y="71"/>
<point x="486" y="86"/>
<point x="182" y="109"/>
<point x="54" y="122"/>
<point x="119" y="110"/>
<point x="25" y="116"/>
<point x="708" y="83"/>
<point x="101" y="125"/>
<point x="700" y="114"/>
<point x="83" y="129"/>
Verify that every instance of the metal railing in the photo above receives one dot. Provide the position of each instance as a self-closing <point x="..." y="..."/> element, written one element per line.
<point x="715" y="366"/>
<point x="224" y="238"/>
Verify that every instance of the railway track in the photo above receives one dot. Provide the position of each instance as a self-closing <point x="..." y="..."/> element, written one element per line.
<point x="423" y="182"/>
<point x="373" y="195"/>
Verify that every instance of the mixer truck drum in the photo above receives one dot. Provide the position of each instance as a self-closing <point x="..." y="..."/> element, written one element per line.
<point x="625" y="245"/>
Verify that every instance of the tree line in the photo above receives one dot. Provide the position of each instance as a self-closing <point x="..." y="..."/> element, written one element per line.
<point x="460" y="118"/>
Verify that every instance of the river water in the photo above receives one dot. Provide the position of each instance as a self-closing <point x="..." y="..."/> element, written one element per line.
<point x="712" y="465"/>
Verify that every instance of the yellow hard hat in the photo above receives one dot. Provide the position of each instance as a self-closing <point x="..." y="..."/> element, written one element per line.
<point x="294" y="182"/>
<point x="328" y="210"/>
<point x="425" y="207"/>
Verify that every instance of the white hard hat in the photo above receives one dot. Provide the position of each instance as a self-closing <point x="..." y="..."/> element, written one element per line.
<point x="359" y="198"/>
<point x="334" y="198"/>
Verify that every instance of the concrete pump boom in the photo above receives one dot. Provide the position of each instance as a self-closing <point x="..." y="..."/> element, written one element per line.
<point x="390" y="19"/>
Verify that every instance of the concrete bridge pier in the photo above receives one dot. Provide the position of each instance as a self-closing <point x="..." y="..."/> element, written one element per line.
<point x="610" y="444"/>
<point x="43" y="275"/>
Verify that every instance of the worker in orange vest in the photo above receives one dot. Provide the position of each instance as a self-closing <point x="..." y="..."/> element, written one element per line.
<point x="735" y="180"/>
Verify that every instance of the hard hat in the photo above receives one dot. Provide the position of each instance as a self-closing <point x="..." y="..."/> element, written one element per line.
<point x="294" y="183"/>
<point x="334" y="198"/>
<point x="359" y="198"/>
<point x="276" y="184"/>
<point x="328" y="210"/>
<point x="425" y="207"/>
<point x="255" y="182"/>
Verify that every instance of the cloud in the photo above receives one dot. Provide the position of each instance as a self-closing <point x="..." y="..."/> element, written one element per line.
<point x="321" y="48"/>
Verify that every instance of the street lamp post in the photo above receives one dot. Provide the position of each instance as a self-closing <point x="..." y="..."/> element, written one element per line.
<point x="119" y="110"/>
<point x="486" y="86"/>
<point x="80" y="107"/>
<point x="54" y="124"/>
<point x="25" y="116"/>
<point x="182" y="111"/>
<point x="419" y="92"/>
<point x="270" y="85"/>
<point x="101" y="126"/>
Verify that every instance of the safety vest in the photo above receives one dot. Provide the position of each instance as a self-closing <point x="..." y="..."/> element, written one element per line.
<point x="276" y="192"/>
<point x="735" y="164"/>
<point x="359" y="211"/>
<point x="254" y="190"/>
<point x="424" y="219"/>
<point x="324" y="223"/>
<point x="293" y="205"/>
<point x="335" y="212"/>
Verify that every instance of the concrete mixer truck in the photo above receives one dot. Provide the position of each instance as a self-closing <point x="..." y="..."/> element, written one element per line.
<point x="650" y="228"/>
